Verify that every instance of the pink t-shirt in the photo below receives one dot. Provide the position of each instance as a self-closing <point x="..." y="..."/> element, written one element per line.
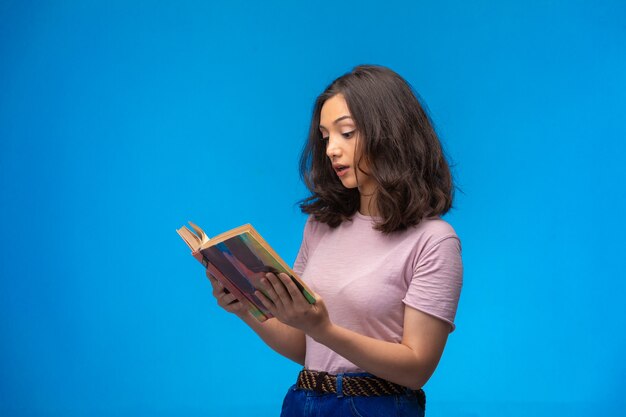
<point x="366" y="278"/>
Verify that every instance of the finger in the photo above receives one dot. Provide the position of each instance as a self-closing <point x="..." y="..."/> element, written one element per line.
<point x="209" y="276"/>
<point x="227" y="298"/>
<point x="278" y="286"/>
<point x="266" y="301"/>
<point x="218" y="287"/>
<point x="270" y="291"/>
<point x="234" y="306"/>
<point x="213" y="280"/>
<point x="290" y="286"/>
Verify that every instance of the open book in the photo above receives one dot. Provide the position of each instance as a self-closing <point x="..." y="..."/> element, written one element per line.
<point x="239" y="258"/>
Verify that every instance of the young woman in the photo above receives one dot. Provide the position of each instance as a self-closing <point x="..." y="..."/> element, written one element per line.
<point x="385" y="269"/>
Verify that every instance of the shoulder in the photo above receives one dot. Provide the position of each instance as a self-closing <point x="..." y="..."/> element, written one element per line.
<point x="432" y="238"/>
<point x="312" y="225"/>
<point x="313" y="229"/>
<point x="436" y="226"/>
<point x="432" y="231"/>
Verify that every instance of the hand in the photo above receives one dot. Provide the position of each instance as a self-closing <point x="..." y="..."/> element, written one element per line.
<point x="285" y="301"/>
<point x="225" y="299"/>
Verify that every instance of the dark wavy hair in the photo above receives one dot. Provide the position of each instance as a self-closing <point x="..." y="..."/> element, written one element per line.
<point x="397" y="141"/>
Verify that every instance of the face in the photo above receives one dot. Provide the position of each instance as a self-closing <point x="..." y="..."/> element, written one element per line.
<point x="341" y="138"/>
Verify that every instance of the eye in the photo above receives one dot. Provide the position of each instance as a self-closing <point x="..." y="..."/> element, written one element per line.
<point x="325" y="139"/>
<point x="348" y="135"/>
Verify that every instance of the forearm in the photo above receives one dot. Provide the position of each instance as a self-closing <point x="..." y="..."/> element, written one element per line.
<point x="283" y="339"/>
<point x="394" y="362"/>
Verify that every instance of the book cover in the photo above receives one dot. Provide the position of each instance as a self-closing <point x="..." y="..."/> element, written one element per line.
<point x="239" y="258"/>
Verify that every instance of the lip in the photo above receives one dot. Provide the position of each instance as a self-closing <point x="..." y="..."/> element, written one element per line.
<point x="339" y="171"/>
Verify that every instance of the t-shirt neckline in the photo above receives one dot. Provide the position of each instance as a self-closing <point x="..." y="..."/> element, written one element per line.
<point x="364" y="217"/>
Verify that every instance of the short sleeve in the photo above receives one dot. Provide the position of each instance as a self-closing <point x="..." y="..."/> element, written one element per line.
<point x="437" y="279"/>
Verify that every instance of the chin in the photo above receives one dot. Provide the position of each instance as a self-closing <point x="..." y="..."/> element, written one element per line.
<point x="349" y="184"/>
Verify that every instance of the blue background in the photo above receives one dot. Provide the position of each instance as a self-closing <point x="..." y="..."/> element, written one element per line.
<point x="120" y="121"/>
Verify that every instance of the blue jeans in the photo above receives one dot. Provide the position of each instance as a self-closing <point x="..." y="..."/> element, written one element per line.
<point x="306" y="403"/>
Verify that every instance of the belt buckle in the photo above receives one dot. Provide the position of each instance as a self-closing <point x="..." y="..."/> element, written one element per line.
<point x="319" y="382"/>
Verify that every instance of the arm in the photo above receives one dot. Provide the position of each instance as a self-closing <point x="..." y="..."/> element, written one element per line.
<point x="409" y="363"/>
<point x="284" y="339"/>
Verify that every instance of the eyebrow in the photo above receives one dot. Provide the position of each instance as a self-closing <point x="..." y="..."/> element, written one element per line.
<point x="338" y="120"/>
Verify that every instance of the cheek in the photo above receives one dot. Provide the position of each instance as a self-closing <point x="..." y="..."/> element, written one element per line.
<point x="357" y="151"/>
<point x="361" y="161"/>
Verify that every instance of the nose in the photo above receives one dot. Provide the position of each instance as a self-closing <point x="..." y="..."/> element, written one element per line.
<point x="333" y="150"/>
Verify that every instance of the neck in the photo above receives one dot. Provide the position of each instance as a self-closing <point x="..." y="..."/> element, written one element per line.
<point x="367" y="205"/>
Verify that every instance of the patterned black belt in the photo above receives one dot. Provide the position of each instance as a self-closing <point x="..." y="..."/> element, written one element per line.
<point x="368" y="386"/>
